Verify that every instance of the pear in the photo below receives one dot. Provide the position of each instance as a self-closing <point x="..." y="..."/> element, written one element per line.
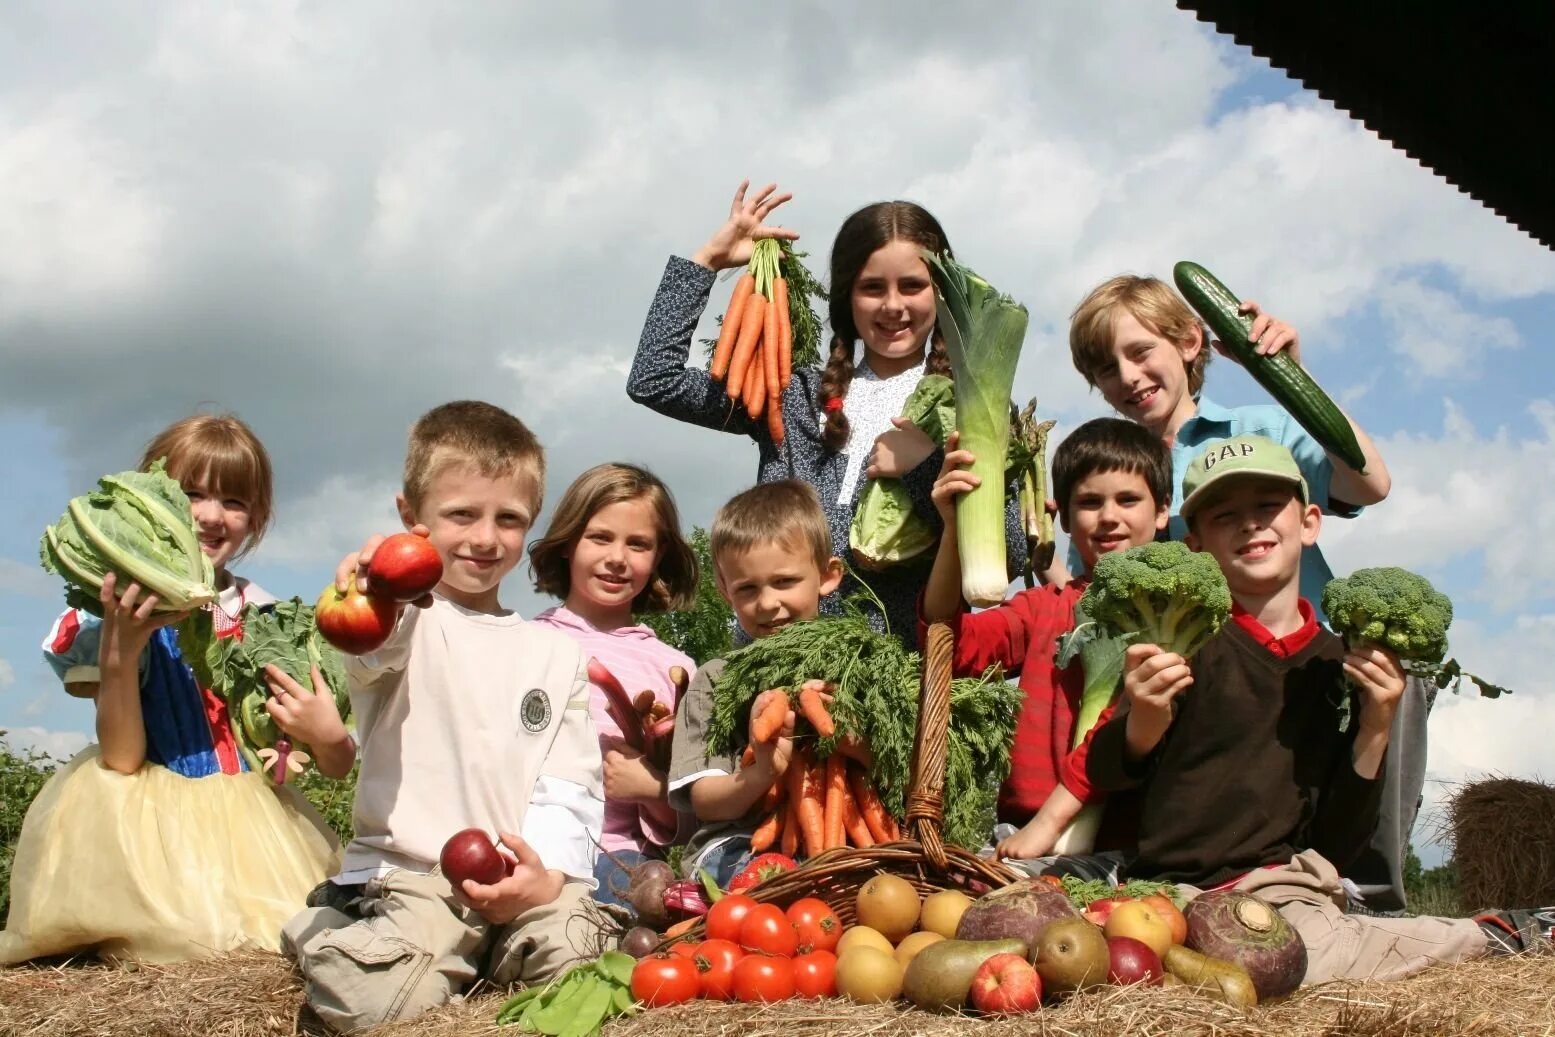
<point x="1070" y="954"/>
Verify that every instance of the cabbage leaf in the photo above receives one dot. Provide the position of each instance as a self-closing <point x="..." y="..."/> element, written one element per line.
<point x="139" y="526"/>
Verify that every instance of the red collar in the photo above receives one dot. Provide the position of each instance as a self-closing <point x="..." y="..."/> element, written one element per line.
<point x="1283" y="647"/>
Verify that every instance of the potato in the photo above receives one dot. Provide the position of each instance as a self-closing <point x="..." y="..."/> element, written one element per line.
<point x="889" y="905"/>
<point x="868" y="976"/>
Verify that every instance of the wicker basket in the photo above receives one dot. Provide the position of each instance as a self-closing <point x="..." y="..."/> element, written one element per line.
<point x="926" y="861"/>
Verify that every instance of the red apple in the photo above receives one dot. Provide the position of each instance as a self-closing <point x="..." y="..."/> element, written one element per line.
<point x="404" y="567"/>
<point x="470" y="854"/>
<point x="1006" y="984"/>
<point x="1099" y="911"/>
<point x="1130" y="961"/>
<point x="354" y="622"/>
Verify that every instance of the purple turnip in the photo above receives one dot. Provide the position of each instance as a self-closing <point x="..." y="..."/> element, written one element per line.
<point x="1018" y="911"/>
<point x="1246" y="930"/>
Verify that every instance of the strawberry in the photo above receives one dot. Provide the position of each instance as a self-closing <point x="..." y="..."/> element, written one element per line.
<point x="761" y="868"/>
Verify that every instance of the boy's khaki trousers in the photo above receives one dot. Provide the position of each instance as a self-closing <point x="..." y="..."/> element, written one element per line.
<point x="414" y="946"/>
<point x="1341" y="946"/>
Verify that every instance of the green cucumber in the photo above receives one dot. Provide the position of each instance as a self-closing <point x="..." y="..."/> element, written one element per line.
<point x="1280" y="375"/>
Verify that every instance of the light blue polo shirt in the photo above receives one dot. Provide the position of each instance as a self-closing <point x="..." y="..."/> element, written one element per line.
<point x="1211" y="422"/>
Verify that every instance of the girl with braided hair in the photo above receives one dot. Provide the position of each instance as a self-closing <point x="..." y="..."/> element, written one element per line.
<point x="841" y="419"/>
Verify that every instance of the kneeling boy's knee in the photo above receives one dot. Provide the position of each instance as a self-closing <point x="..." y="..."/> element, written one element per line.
<point x="356" y="978"/>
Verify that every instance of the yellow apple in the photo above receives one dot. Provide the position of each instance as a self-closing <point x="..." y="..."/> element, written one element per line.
<point x="1140" y="921"/>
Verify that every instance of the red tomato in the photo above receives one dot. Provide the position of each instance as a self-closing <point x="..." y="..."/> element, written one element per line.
<point x="758" y="977"/>
<point x="715" y="961"/>
<point x="815" y="974"/>
<point x="768" y="930"/>
<point x="683" y="949"/>
<point x="662" y="980"/>
<point x="817" y="924"/>
<point x="722" y="922"/>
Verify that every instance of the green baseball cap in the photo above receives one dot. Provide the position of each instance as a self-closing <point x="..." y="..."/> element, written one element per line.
<point x="1222" y="459"/>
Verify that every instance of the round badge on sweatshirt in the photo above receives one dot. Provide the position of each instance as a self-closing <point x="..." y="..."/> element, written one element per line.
<point x="536" y="710"/>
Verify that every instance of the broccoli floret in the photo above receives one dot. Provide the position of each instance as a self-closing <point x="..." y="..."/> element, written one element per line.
<point x="1160" y="593"/>
<point x="1402" y="612"/>
<point x="1391" y="607"/>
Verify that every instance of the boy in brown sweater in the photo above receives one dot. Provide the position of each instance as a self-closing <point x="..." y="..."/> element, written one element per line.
<point x="1248" y="777"/>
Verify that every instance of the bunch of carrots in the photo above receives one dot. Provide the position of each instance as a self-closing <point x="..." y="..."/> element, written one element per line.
<point x="817" y="805"/>
<point x="754" y="355"/>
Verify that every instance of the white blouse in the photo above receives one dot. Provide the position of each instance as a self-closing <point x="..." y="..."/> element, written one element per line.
<point x="870" y="405"/>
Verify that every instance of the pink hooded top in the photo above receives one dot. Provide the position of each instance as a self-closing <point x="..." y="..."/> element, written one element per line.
<point x="639" y="660"/>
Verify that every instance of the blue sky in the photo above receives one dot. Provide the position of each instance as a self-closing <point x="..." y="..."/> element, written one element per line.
<point x="328" y="221"/>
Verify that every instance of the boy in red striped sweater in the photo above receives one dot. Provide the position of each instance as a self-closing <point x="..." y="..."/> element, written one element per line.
<point x="1112" y="481"/>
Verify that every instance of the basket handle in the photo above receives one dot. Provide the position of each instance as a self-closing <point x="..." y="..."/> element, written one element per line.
<point x="926" y="802"/>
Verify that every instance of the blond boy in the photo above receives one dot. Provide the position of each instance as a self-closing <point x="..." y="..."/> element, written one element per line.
<point x="468" y="717"/>
<point x="771" y="550"/>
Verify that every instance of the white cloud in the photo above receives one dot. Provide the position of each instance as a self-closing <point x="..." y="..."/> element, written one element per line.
<point x="1464" y="496"/>
<point x="61" y="745"/>
<point x="7" y="674"/>
<point x="1441" y="337"/>
<point x="331" y="220"/>
<point x="326" y="525"/>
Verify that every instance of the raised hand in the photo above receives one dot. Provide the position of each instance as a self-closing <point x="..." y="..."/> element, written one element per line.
<point x="955" y="478"/>
<point x="732" y="244"/>
<point x="129" y="620"/>
<point x="1268" y="334"/>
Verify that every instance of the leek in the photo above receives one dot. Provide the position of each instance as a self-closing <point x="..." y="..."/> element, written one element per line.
<point x="983" y="330"/>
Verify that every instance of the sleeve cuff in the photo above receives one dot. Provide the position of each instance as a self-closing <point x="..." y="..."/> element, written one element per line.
<point x="563" y="824"/>
<point x="680" y="788"/>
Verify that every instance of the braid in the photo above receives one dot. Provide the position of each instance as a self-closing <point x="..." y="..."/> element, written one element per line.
<point x="835" y="379"/>
<point x="936" y="360"/>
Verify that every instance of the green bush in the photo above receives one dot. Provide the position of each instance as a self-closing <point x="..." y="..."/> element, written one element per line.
<point x="333" y="799"/>
<point x="21" y="778"/>
<point x="1431" y="891"/>
<point x="705" y="630"/>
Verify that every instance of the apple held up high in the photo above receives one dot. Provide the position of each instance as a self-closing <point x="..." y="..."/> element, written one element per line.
<point x="1005" y="984"/>
<point x="404" y="567"/>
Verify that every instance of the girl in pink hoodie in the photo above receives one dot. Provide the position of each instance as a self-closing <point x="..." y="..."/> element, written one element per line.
<point x="613" y="550"/>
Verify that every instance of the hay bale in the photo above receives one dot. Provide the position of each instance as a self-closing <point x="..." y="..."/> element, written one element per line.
<point x="260" y="996"/>
<point x="1503" y="842"/>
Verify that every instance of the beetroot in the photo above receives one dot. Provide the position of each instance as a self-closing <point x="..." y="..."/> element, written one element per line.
<point x="686" y="897"/>
<point x="1246" y="930"/>
<point x="639" y="941"/>
<point x="650" y="880"/>
<point x="1018" y="911"/>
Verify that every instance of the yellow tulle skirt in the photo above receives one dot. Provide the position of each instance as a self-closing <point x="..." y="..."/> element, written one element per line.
<point x="153" y="866"/>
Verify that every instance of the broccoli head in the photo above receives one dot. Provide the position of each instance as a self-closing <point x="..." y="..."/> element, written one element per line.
<point x="1391" y="607"/>
<point x="1160" y="593"/>
<point x="1403" y="613"/>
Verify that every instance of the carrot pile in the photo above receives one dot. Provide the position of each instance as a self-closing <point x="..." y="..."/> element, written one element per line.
<point x="816" y="804"/>
<point x="754" y="354"/>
